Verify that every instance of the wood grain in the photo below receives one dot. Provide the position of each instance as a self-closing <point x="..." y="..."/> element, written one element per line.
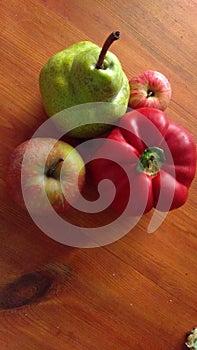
<point x="140" y="291"/>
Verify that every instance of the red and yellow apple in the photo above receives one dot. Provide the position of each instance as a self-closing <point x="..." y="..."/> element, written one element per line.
<point x="150" y="89"/>
<point x="45" y="166"/>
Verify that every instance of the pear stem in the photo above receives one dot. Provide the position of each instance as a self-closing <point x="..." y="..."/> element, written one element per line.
<point x="54" y="166"/>
<point x="110" y="39"/>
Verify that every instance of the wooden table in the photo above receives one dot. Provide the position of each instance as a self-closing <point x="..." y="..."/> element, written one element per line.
<point x="139" y="292"/>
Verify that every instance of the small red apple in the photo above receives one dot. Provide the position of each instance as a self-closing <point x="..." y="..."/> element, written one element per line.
<point x="150" y="89"/>
<point x="34" y="171"/>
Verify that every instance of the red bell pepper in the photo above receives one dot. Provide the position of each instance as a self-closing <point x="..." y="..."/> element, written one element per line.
<point x="150" y="160"/>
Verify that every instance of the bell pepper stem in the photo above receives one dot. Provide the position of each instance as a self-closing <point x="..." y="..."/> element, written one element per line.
<point x="151" y="161"/>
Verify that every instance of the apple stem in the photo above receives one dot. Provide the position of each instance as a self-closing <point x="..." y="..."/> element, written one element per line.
<point x="51" y="170"/>
<point x="150" y="93"/>
<point x="110" y="39"/>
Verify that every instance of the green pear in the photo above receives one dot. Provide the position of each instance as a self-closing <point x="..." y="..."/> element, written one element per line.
<point x="85" y="73"/>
